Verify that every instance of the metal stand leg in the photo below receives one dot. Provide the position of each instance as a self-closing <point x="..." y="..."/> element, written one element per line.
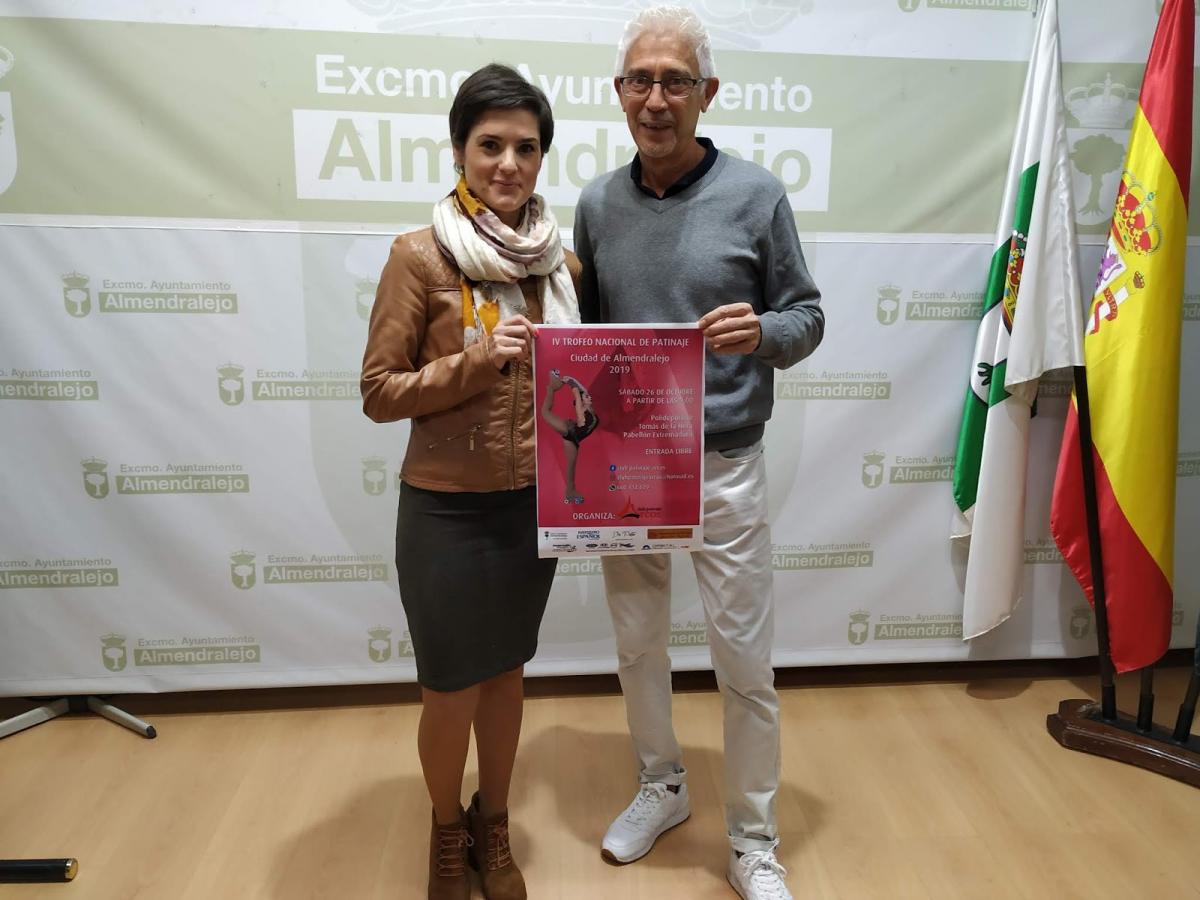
<point x="75" y="704"/>
<point x="113" y="714"/>
<point x="34" y="717"/>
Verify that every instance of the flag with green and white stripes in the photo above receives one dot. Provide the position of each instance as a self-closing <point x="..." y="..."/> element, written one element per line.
<point x="1034" y="272"/>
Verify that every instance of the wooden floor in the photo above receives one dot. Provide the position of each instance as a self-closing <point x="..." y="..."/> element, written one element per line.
<point x="949" y="789"/>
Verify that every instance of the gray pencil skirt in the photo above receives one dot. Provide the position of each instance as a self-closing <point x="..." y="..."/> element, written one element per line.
<point x="471" y="583"/>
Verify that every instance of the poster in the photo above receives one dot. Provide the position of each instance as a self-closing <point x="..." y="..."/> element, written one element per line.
<point x="619" y="414"/>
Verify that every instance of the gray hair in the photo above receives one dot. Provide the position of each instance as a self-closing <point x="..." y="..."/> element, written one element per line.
<point x="678" y="19"/>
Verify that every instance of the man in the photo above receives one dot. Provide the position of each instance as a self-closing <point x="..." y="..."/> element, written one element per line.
<point x="686" y="233"/>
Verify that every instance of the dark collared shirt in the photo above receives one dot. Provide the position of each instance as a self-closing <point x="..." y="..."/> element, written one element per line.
<point x="686" y="180"/>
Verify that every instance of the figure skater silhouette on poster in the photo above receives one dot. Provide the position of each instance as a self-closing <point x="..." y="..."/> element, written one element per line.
<point x="572" y="431"/>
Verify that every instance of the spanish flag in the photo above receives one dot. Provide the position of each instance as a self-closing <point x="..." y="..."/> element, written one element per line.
<point x="1131" y="352"/>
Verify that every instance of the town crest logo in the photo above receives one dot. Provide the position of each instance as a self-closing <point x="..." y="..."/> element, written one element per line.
<point x="374" y="475"/>
<point x="859" y="627"/>
<point x="379" y="645"/>
<point x="242" y="570"/>
<point x="1081" y="622"/>
<point x="95" y="478"/>
<point x="77" y="297"/>
<point x="364" y="297"/>
<point x="887" y="305"/>
<point x="113" y="653"/>
<point x="872" y="469"/>
<point x="230" y="385"/>
<point x="1103" y="111"/>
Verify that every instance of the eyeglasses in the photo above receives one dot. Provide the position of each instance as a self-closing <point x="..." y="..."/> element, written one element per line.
<point x="677" y="86"/>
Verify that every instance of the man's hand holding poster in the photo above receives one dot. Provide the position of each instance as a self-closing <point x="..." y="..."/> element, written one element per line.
<point x="620" y="438"/>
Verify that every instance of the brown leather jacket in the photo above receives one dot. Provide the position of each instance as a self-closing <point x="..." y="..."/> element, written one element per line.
<point x="472" y="426"/>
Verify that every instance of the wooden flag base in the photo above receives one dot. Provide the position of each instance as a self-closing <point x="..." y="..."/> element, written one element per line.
<point x="1079" y="726"/>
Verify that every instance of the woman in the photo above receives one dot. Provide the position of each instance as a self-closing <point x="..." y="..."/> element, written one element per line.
<point x="582" y="424"/>
<point x="449" y="347"/>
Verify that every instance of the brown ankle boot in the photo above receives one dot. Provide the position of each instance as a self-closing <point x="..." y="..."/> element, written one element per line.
<point x="489" y="853"/>
<point x="448" y="878"/>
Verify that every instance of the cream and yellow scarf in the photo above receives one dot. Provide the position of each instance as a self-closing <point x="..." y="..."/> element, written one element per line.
<point x="493" y="258"/>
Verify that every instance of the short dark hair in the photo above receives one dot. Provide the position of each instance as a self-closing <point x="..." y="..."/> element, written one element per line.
<point x="497" y="86"/>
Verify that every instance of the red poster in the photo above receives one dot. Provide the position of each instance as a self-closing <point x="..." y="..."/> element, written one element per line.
<point x="620" y="438"/>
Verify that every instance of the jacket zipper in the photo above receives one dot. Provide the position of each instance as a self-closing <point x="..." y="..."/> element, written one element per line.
<point x="469" y="434"/>
<point x="512" y="429"/>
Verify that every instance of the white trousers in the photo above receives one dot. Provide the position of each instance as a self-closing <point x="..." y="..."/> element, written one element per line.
<point x="734" y="575"/>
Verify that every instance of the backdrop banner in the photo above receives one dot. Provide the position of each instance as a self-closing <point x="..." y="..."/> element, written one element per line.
<point x="196" y="201"/>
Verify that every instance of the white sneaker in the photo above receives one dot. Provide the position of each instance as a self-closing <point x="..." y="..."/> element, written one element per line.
<point x="757" y="875"/>
<point x="654" y="810"/>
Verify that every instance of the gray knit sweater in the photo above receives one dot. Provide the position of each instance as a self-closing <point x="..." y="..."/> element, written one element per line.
<point x="727" y="238"/>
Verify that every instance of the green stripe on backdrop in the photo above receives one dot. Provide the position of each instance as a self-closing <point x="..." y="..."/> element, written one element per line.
<point x="178" y="121"/>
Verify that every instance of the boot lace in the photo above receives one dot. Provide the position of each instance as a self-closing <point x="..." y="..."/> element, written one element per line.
<point x="451" y="856"/>
<point x="499" y="855"/>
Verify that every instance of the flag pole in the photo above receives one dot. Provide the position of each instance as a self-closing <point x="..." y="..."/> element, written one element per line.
<point x="1187" y="710"/>
<point x="1160" y="149"/>
<point x="1145" y="717"/>
<point x="1108" y="688"/>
